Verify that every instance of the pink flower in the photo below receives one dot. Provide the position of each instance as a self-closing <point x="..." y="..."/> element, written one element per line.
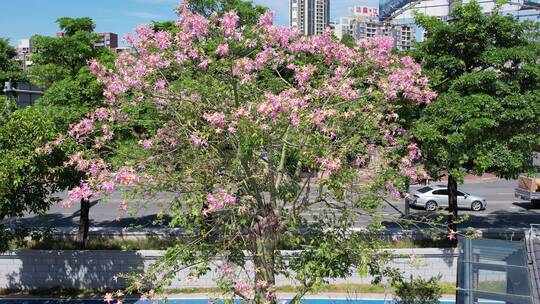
<point x="162" y="39"/>
<point x="329" y="165"/>
<point x="222" y="50"/>
<point x="242" y="286"/>
<point x="197" y="141"/>
<point x="452" y="234"/>
<point x="414" y="152"/>
<point x="83" y="192"/>
<point x="107" y="186"/>
<point x="389" y="137"/>
<point x="127" y="176"/>
<point x="232" y="127"/>
<point x="216" y="120"/>
<point x="266" y="19"/>
<point x="225" y="269"/>
<point x="228" y="23"/>
<point x="147" y="143"/>
<point x="123" y="205"/>
<point x="360" y="161"/>
<point x="101" y="114"/>
<point x="203" y="64"/>
<point x="108" y="297"/>
<point x="219" y="201"/>
<point x="262" y="284"/>
<point x="160" y="85"/>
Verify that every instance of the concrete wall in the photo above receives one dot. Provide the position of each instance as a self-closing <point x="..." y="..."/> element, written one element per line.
<point x="31" y="269"/>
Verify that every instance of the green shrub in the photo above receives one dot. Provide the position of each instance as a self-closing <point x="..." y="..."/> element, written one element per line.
<point x="417" y="290"/>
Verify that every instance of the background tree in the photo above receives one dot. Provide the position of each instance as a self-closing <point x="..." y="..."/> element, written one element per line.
<point x="10" y="69"/>
<point x="58" y="58"/>
<point x="253" y="128"/>
<point x="28" y="178"/>
<point x="60" y="65"/>
<point x="246" y="10"/>
<point x="487" y="116"/>
<point x="348" y="40"/>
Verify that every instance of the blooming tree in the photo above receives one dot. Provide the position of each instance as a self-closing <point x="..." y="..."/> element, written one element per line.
<point x="253" y="128"/>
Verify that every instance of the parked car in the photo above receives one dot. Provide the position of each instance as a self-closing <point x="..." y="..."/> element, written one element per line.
<point x="529" y="189"/>
<point x="434" y="196"/>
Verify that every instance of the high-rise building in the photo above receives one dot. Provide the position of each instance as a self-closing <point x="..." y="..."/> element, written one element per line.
<point x="363" y="23"/>
<point x="24" y="46"/>
<point x="107" y="40"/>
<point x="343" y="26"/>
<point x="24" y="50"/>
<point x="367" y="27"/>
<point x="403" y="34"/>
<point x="310" y="17"/>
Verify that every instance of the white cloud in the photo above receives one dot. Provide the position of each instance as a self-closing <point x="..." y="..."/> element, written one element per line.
<point x="144" y="15"/>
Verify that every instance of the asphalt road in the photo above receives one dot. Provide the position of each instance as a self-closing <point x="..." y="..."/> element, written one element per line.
<point x="503" y="210"/>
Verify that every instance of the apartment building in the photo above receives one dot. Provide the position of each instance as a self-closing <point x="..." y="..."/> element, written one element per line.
<point x="311" y="17"/>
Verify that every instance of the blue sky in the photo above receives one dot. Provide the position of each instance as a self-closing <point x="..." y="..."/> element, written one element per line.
<point x="22" y="19"/>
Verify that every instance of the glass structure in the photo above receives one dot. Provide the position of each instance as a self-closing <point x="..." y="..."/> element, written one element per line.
<point x="493" y="271"/>
<point x="387" y="7"/>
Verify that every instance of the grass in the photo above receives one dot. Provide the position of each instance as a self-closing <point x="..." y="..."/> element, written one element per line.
<point x="149" y="243"/>
<point x="424" y="243"/>
<point x="53" y="292"/>
<point x="162" y="243"/>
<point x="447" y="288"/>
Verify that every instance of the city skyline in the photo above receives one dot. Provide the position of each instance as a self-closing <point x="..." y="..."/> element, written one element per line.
<point x="120" y="17"/>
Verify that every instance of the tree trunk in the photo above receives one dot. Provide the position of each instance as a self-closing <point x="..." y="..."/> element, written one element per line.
<point x="264" y="243"/>
<point x="452" y="203"/>
<point x="84" y="223"/>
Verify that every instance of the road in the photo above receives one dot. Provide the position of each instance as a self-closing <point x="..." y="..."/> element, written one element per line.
<point x="503" y="210"/>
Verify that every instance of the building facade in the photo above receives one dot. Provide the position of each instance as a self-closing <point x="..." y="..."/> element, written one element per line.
<point x="24" y="50"/>
<point x="107" y="40"/>
<point x="310" y="17"/>
<point x="402" y="11"/>
<point x="364" y="23"/>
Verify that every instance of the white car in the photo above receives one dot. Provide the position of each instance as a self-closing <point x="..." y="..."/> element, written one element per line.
<point x="434" y="196"/>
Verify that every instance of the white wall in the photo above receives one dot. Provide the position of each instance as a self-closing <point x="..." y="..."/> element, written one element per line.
<point x="31" y="269"/>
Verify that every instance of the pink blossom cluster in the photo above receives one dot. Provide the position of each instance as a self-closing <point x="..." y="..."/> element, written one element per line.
<point x="228" y="23"/>
<point x="166" y="136"/>
<point x="198" y="141"/>
<point x="318" y="116"/>
<point x="272" y="105"/>
<point x="81" y="129"/>
<point x="47" y="149"/>
<point x="127" y="177"/>
<point x="243" y="287"/>
<point x="414" y="152"/>
<point x="329" y="165"/>
<point x="146" y="143"/>
<point x="222" y="50"/>
<point x="392" y="189"/>
<point x="82" y="192"/>
<point x="226" y="270"/>
<point x="218" y="201"/>
<point x="191" y="24"/>
<point x="216" y="120"/>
